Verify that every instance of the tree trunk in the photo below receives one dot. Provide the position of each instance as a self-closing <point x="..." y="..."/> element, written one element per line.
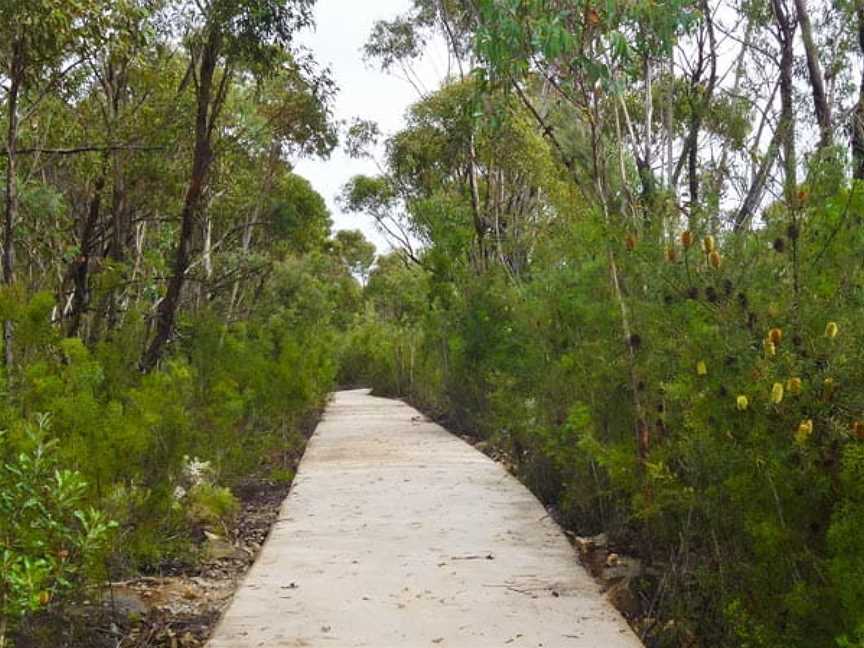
<point x="167" y="311"/>
<point x="858" y="113"/>
<point x="16" y="75"/>
<point x="817" y="80"/>
<point x="80" y="271"/>
<point x="786" y="33"/>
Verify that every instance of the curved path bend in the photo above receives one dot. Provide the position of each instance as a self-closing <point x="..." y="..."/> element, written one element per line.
<point x="398" y="534"/>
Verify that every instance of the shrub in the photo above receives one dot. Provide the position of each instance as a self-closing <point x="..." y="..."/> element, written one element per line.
<point x="49" y="540"/>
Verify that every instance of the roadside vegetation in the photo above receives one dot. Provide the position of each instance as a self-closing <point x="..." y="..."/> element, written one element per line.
<point x="629" y="253"/>
<point x="172" y="297"/>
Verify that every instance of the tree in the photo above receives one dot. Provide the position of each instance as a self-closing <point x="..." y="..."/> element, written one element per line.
<point x="356" y="252"/>
<point x="227" y="38"/>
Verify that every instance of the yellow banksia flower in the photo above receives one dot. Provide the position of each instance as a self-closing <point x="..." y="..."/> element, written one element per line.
<point x="777" y="393"/>
<point x="776" y="336"/>
<point x="686" y="239"/>
<point x="701" y="368"/>
<point x="793" y="386"/>
<point x="828" y="388"/>
<point x="44" y="598"/>
<point x="742" y="403"/>
<point x="769" y="347"/>
<point x="708" y="244"/>
<point x="715" y="259"/>
<point x="831" y="330"/>
<point x="805" y="429"/>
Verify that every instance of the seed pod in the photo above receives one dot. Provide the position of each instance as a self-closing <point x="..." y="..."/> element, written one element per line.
<point x="701" y="368"/>
<point x="769" y="347"/>
<point x="687" y="239"/>
<point x="793" y="386"/>
<point x="711" y="294"/>
<point x="831" y="330"/>
<point x="805" y="429"/>
<point x="708" y="244"/>
<point x="777" y="393"/>
<point x="715" y="259"/>
<point x="776" y="336"/>
<point x="742" y="403"/>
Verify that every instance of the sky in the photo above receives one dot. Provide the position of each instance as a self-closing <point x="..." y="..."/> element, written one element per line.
<point x="342" y="28"/>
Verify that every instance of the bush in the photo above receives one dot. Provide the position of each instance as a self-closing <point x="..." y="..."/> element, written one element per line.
<point x="50" y="542"/>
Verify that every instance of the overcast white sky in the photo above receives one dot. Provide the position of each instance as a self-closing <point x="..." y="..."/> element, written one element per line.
<point x="342" y="28"/>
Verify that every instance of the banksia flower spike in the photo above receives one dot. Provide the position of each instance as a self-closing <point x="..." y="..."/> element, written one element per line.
<point x="793" y="386"/>
<point x="715" y="259"/>
<point x="769" y="348"/>
<point x="831" y="330"/>
<point x="701" y="368"/>
<point x="687" y="239"/>
<point x="776" y="336"/>
<point x="858" y="429"/>
<point x="805" y="429"/>
<point x="777" y="393"/>
<point x="671" y="254"/>
<point x="708" y="244"/>
<point x="742" y="403"/>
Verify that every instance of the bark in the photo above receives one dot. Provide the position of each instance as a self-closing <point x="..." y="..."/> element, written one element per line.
<point x="817" y="80"/>
<point x="858" y="113"/>
<point x="786" y="35"/>
<point x="16" y="76"/>
<point x="81" y="265"/>
<point x="167" y="311"/>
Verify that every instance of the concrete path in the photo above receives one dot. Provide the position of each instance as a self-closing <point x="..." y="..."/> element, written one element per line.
<point x="398" y="534"/>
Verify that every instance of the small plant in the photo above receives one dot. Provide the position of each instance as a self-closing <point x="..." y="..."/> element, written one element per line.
<point x="209" y="505"/>
<point x="48" y="540"/>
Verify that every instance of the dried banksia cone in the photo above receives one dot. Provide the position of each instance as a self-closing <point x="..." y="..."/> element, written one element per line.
<point x="671" y="254"/>
<point x="831" y="329"/>
<point x="630" y="241"/>
<point x="805" y="429"/>
<point x="858" y="429"/>
<point x="708" y="244"/>
<point x="687" y="239"/>
<point x="776" y="336"/>
<point x="715" y="259"/>
<point x="793" y="386"/>
<point x="777" y="393"/>
<point x="701" y="368"/>
<point x="742" y="403"/>
<point x="769" y="347"/>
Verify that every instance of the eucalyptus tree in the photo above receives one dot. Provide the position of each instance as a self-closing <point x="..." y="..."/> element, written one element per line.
<point x="41" y="43"/>
<point x="226" y="40"/>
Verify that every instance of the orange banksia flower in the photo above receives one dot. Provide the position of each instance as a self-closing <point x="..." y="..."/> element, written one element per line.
<point x="715" y="259"/>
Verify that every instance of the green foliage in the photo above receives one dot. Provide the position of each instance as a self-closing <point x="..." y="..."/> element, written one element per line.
<point x="210" y="505"/>
<point x="752" y="515"/>
<point x="50" y="540"/>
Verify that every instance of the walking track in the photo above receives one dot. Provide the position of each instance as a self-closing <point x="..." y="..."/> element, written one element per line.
<point x="398" y="534"/>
